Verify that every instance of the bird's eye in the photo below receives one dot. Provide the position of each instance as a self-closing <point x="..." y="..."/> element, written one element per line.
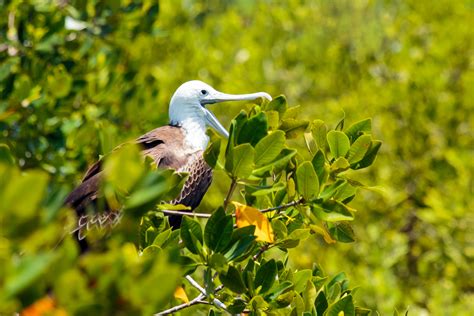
<point x="204" y="92"/>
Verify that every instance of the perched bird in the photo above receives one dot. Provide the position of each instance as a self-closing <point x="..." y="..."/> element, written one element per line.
<point x="179" y="146"/>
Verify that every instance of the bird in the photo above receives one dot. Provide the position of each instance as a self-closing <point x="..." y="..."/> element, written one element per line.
<point x="179" y="145"/>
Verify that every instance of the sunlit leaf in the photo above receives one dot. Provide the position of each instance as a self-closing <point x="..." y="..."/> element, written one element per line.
<point x="246" y="216"/>
<point x="332" y="211"/>
<point x="277" y="104"/>
<point x="370" y="155"/>
<point x="279" y="163"/>
<point x="344" y="305"/>
<point x="180" y="294"/>
<point x="294" y="128"/>
<point x="342" y="232"/>
<point x="211" y="155"/>
<point x="307" y="181"/>
<point x="358" y="128"/>
<point x="338" y="143"/>
<point x="359" y="148"/>
<point x="319" y="131"/>
<point x="241" y="161"/>
<point x="268" y="148"/>
<point x="323" y="232"/>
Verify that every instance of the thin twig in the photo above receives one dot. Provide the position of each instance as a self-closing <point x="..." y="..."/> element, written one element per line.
<point x="206" y="215"/>
<point x="261" y="251"/>
<point x="233" y="184"/>
<point x="220" y="287"/>
<point x="280" y="207"/>
<point x="203" y="291"/>
<point x="197" y="300"/>
<point x="201" y="215"/>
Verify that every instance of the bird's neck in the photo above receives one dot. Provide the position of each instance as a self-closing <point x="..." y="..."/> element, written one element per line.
<point x="195" y="136"/>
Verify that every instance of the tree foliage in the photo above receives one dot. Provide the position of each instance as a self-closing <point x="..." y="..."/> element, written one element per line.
<point x="79" y="77"/>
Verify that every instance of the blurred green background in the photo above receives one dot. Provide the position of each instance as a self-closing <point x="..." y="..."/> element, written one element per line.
<point x="79" y="77"/>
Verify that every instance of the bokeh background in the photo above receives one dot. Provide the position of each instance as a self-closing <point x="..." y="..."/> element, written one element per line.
<point x="79" y="77"/>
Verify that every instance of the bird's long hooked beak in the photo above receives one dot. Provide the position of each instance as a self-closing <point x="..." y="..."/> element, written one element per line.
<point x="216" y="97"/>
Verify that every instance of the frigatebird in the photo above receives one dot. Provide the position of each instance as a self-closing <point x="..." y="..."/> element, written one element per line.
<point x="179" y="146"/>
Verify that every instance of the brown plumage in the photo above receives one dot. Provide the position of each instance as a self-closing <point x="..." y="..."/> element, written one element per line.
<point x="166" y="146"/>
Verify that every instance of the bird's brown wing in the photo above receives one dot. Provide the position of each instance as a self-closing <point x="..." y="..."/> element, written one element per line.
<point x="199" y="180"/>
<point x="153" y="144"/>
<point x="165" y="145"/>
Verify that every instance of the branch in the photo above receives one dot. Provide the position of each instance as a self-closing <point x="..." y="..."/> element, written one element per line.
<point x="261" y="251"/>
<point x="197" y="300"/>
<point x="229" y="194"/>
<point x="206" y="215"/>
<point x="203" y="292"/>
<point x="201" y="215"/>
<point x="287" y="205"/>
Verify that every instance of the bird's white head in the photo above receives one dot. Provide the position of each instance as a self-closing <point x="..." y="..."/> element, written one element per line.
<point x="188" y="109"/>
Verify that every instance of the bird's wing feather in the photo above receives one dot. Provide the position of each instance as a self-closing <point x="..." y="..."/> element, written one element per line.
<point x="156" y="144"/>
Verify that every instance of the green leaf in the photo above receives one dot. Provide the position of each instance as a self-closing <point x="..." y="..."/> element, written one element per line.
<point x="340" y="124"/>
<point x="253" y="130"/>
<point x="319" y="165"/>
<point x="268" y="148"/>
<point x="279" y="229"/>
<point x="370" y="155"/>
<point x="265" y="276"/>
<point x="342" y="232"/>
<point x="235" y="127"/>
<point x="343" y="305"/>
<point x="300" y="234"/>
<point x="300" y="279"/>
<point x="341" y="164"/>
<point x="242" y="241"/>
<point x="27" y="270"/>
<point x="263" y="190"/>
<point x="294" y="128"/>
<point x="359" y="148"/>
<point x="219" y="263"/>
<point x="191" y="233"/>
<point x="218" y="230"/>
<point x="162" y="237"/>
<point x="338" y="278"/>
<point x="233" y="280"/>
<point x="344" y="192"/>
<point x="319" y="130"/>
<point x="332" y="211"/>
<point x="307" y="181"/>
<point x="278" y="104"/>
<point x="240" y="163"/>
<point x="284" y="299"/>
<point x="279" y="163"/>
<point x="338" y="143"/>
<point x="23" y="194"/>
<point x="331" y="190"/>
<point x="279" y="289"/>
<point x="299" y="306"/>
<point x="321" y="303"/>
<point x="360" y="311"/>
<point x="211" y="155"/>
<point x="273" y="119"/>
<point x="237" y="306"/>
<point x="309" y="296"/>
<point x="359" y="128"/>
